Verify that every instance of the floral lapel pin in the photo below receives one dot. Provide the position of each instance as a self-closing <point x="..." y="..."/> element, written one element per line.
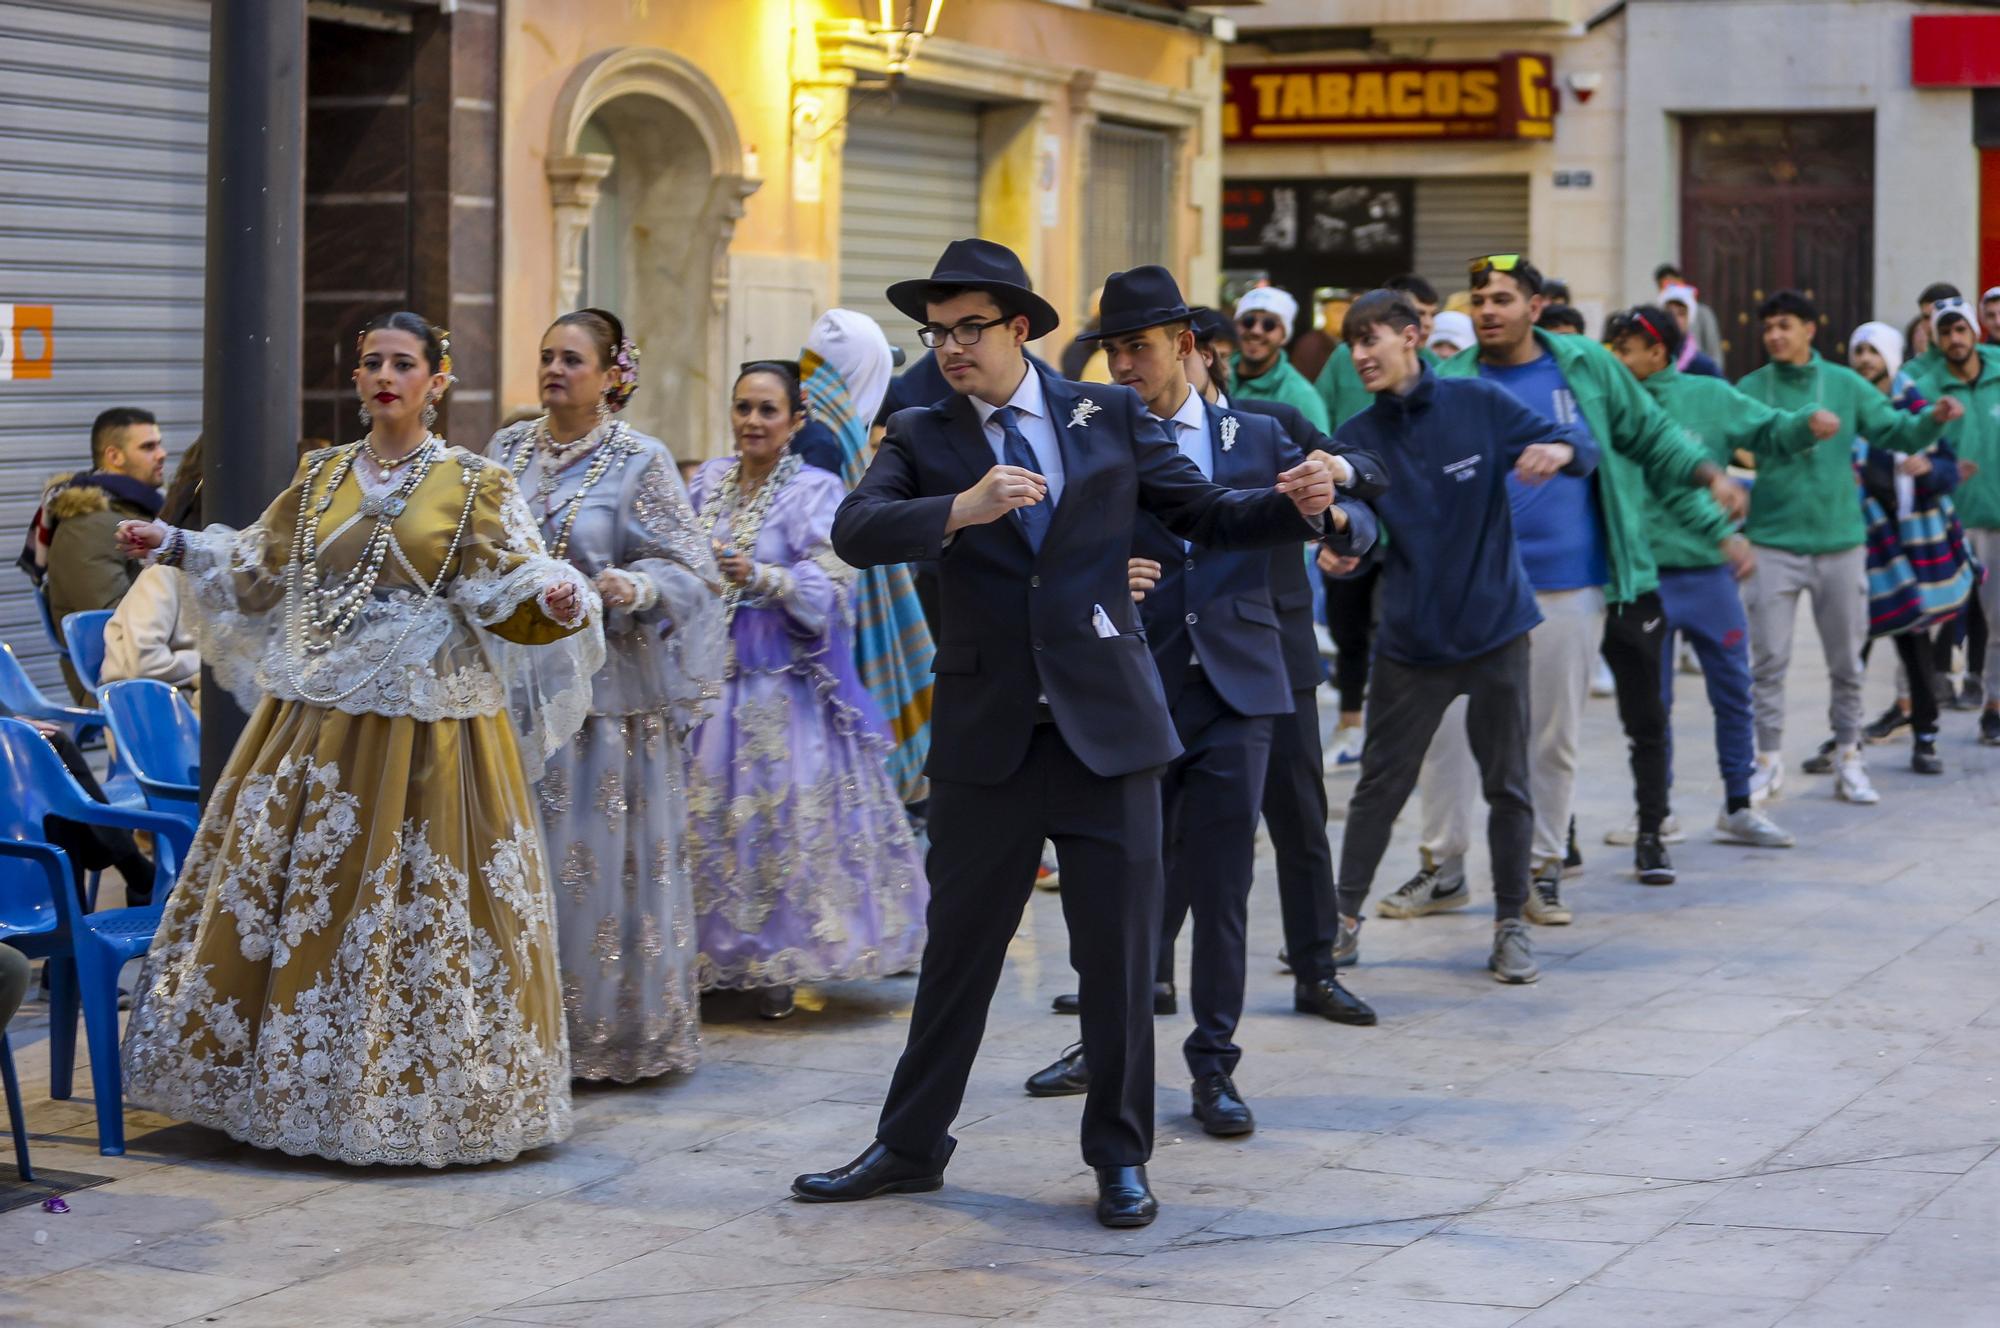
<point x="1228" y="432"/>
<point x="1084" y="410"/>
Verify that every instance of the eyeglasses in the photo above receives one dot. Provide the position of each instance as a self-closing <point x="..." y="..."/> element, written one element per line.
<point x="1495" y="263"/>
<point x="965" y="334"/>
<point x="1260" y="323"/>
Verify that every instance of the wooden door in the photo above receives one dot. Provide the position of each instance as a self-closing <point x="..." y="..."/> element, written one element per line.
<point x="1769" y="202"/>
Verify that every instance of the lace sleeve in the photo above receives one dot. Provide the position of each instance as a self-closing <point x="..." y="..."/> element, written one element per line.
<point x="233" y="585"/>
<point x="815" y="584"/>
<point x="662" y="546"/>
<point x="503" y="578"/>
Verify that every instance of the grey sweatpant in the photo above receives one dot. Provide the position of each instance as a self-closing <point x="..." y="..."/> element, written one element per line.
<point x="1838" y="585"/>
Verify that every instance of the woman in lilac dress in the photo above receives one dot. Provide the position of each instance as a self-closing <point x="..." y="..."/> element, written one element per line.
<point x="804" y="866"/>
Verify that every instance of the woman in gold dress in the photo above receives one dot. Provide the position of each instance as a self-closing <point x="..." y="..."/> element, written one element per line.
<point x="359" y="961"/>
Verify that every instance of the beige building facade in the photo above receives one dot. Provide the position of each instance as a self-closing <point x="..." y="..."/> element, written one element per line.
<point x="719" y="174"/>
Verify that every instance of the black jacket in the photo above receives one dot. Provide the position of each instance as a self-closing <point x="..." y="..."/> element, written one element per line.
<point x="1017" y="624"/>
<point x="1220" y="605"/>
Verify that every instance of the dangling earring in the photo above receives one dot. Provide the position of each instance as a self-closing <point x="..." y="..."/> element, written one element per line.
<point x="603" y="412"/>
<point x="367" y="420"/>
<point x="430" y="412"/>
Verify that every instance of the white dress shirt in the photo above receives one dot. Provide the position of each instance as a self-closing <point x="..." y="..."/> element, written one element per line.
<point x="1031" y="417"/>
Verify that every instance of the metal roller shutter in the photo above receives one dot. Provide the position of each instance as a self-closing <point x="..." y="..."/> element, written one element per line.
<point x="1465" y="217"/>
<point x="1131" y="173"/>
<point x="909" y="187"/>
<point x="103" y="136"/>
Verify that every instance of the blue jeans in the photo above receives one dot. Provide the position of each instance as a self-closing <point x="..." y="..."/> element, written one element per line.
<point x="1702" y="604"/>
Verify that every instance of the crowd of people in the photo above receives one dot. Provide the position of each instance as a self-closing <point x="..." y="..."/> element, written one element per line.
<point x="549" y="737"/>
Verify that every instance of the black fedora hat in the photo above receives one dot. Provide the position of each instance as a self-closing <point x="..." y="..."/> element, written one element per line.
<point x="1213" y="325"/>
<point x="1136" y="300"/>
<point x="979" y="265"/>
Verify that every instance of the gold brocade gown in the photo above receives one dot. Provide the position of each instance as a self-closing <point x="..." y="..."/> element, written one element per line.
<point x="359" y="959"/>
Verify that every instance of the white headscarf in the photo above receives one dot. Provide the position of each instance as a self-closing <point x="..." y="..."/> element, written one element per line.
<point x="854" y="345"/>
<point x="1679" y="292"/>
<point x="1454" y="328"/>
<point x="1887" y="341"/>
<point x="1271" y="300"/>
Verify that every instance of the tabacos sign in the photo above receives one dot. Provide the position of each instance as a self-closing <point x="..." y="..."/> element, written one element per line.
<point x="1512" y="97"/>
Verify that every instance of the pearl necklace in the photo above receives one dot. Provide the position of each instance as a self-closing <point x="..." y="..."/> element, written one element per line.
<point x="615" y="448"/>
<point x="747" y="525"/>
<point x="562" y="454"/>
<point x="316" y="617"/>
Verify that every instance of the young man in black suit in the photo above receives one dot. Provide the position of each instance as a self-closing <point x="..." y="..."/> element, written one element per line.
<point x="1050" y="721"/>
<point x="1215" y="635"/>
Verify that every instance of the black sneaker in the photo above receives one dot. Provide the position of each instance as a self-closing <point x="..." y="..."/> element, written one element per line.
<point x="1650" y="860"/>
<point x="1887" y="724"/>
<point x="1989" y="727"/>
<point x="1573" y="856"/>
<point x="1820" y="762"/>
<point x="1924" y="758"/>
<point x="1971" y="695"/>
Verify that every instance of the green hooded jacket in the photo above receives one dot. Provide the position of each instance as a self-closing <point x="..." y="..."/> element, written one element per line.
<point x="1282" y="383"/>
<point x="1975" y="438"/>
<point x="1719" y="420"/>
<point x="1642" y="454"/>
<point x="1807" y="503"/>
<point x="1340" y="387"/>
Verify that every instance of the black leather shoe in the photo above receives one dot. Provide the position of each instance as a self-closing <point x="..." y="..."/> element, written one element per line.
<point x="1124" y="1199"/>
<point x="1220" y="1109"/>
<point x="876" y="1171"/>
<point x="1329" y="1000"/>
<point x="1164" y="1001"/>
<point x="1066" y="1078"/>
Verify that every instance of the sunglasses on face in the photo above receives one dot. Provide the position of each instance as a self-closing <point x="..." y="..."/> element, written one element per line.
<point x="1260" y="323"/>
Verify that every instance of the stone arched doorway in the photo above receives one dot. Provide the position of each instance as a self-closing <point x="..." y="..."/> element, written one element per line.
<point x="646" y="177"/>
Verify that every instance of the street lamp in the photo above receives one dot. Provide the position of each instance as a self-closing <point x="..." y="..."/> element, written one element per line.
<point x="898" y="21"/>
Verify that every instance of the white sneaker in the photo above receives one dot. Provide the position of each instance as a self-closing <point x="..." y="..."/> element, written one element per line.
<point x="1751" y="827"/>
<point x="1850" y="779"/>
<point x="1344" y="756"/>
<point x="1324" y="640"/>
<point x="1767" y="781"/>
<point x="1627" y="834"/>
<point x="1601" y="681"/>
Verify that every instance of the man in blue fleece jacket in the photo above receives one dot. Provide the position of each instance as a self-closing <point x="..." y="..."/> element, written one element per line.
<point x="1456" y="604"/>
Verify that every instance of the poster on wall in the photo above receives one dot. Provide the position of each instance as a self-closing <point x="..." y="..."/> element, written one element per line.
<point x="1306" y="233"/>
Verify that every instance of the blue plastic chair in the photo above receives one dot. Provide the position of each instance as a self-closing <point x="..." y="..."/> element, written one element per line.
<point x="159" y="739"/>
<point x="20" y="695"/>
<point x="17" y="1119"/>
<point x="41" y="916"/>
<point x="84" y="631"/>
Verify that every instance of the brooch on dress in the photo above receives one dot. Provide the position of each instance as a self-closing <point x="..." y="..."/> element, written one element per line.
<point x="1228" y="432"/>
<point x="391" y="505"/>
<point x="1084" y="410"/>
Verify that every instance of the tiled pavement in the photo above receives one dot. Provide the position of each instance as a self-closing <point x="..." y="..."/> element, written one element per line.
<point x="1765" y="1096"/>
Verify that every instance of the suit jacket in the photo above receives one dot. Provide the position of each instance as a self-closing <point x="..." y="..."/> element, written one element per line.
<point x="1218" y="604"/>
<point x="1016" y="624"/>
<point x="1291" y="590"/>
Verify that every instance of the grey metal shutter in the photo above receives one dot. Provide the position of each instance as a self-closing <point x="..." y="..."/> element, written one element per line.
<point x="1460" y="218"/>
<point x="1125" y="220"/>
<point x="103" y="139"/>
<point x="909" y="186"/>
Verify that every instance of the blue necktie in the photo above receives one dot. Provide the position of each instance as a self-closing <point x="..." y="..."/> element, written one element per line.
<point x="1014" y="446"/>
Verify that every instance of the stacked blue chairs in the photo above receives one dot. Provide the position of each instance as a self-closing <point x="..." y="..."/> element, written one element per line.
<point x="19" y="694"/>
<point x="84" y="633"/>
<point x="41" y="916"/>
<point x="159" y="739"/>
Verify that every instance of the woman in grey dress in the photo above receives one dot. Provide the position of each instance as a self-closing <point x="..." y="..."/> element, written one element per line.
<point x="614" y="802"/>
